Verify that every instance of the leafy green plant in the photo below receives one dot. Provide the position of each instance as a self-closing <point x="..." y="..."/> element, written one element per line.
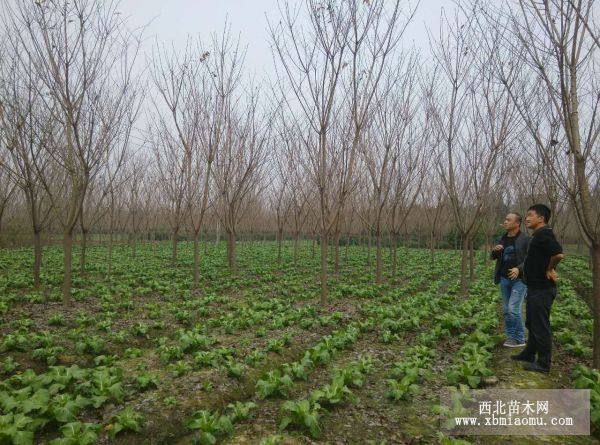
<point x="206" y="385"/>
<point x="48" y="354"/>
<point x="140" y="329"/>
<point x="183" y="316"/>
<point x="105" y="360"/>
<point x="456" y="408"/>
<point x="333" y="393"/>
<point x="132" y="353"/>
<point x="403" y="388"/>
<point x="210" y="426"/>
<point x="180" y="368"/>
<point x="17" y="429"/>
<point x="578" y="349"/>
<point x="241" y="410"/>
<point x="170" y="401"/>
<point x="56" y="320"/>
<point x="104" y="325"/>
<point x="350" y="375"/>
<point x="146" y="381"/>
<point x="9" y="365"/>
<point x="77" y="433"/>
<point x="206" y="358"/>
<point x="255" y="357"/>
<point x="64" y="408"/>
<point x="274" y="383"/>
<point x="274" y="439"/>
<point x="297" y="369"/>
<point x="169" y="353"/>
<point x="304" y="413"/>
<point x="127" y="420"/>
<point x="473" y="366"/>
<point x="193" y="341"/>
<point x="589" y="378"/>
<point x="106" y="382"/>
<point x="234" y="369"/>
<point x="93" y="344"/>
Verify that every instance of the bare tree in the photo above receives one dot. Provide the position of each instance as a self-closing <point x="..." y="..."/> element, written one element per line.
<point x="387" y="149"/>
<point x="556" y="44"/>
<point x="25" y="132"/>
<point x="7" y="190"/>
<point x="433" y="206"/>
<point x="83" y="55"/>
<point x="116" y="202"/>
<point x="280" y="188"/>
<point x="336" y="62"/>
<point x="238" y="164"/>
<point x="299" y="193"/>
<point x="474" y="122"/>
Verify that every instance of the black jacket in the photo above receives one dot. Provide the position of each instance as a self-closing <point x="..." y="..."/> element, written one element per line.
<point x="521" y="246"/>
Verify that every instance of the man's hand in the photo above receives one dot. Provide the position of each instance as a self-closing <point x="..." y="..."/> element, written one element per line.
<point x="552" y="275"/>
<point x="498" y="248"/>
<point x="513" y="273"/>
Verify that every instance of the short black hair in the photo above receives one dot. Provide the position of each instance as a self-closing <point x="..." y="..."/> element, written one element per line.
<point x="518" y="215"/>
<point x="542" y="210"/>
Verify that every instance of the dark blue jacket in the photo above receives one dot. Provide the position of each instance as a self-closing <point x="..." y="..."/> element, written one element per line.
<point x="521" y="246"/>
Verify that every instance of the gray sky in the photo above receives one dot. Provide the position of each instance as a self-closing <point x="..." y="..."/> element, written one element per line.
<point x="173" y="20"/>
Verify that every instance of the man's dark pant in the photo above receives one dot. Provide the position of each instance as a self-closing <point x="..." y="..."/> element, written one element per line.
<point x="537" y="320"/>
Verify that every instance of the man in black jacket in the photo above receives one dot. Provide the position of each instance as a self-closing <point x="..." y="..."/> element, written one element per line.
<point x="509" y="254"/>
<point x="539" y="272"/>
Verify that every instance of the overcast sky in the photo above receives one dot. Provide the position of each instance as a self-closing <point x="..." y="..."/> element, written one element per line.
<point x="173" y="20"/>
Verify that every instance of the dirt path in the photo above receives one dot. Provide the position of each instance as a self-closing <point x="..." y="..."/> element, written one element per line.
<point x="511" y="375"/>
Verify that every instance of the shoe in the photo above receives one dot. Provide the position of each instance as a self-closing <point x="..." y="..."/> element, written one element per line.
<point x="510" y="343"/>
<point x="536" y="367"/>
<point x="523" y="358"/>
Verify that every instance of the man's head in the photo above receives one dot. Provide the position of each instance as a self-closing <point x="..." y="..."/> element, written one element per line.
<point x="537" y="216"/>
<point x="512" y="221"/>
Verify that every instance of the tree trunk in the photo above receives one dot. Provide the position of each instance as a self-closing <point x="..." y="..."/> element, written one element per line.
<point x="369" y="248"/>
<point x="324" y="267"/>
<point x="279" y="242"/>
<point x="595" y="254"/>
<point x="37" y="258"/>
<point x="314" y="242"/>
<point x="196" y="259"/>
<point x="231" y="252"/>
<point x="67" y="263"/>
<point x="432" y="248"/>
<point x="83" y="250"/>
<point x="485" y="249"/>
<point x="296" y="241"/>
<point x="347" y="247"/>
<point x="378" y="259"/>
<point x="133" y="245"/>
<point x="336" y="252"/>
<point x="471" y="260"/>
<point x="175" y="243"/>
<point x="394" y="242"/>
<point x="110" y="252"/>
<point x="463" y="267"/>
<point x="1" y="233"/>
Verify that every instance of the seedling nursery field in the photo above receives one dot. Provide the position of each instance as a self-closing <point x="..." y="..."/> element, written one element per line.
<point x="255" y="358"/>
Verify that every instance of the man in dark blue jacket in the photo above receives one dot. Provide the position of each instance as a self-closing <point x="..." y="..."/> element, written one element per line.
<point x="509" y="253"/>
<point x="539" y="272"/>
